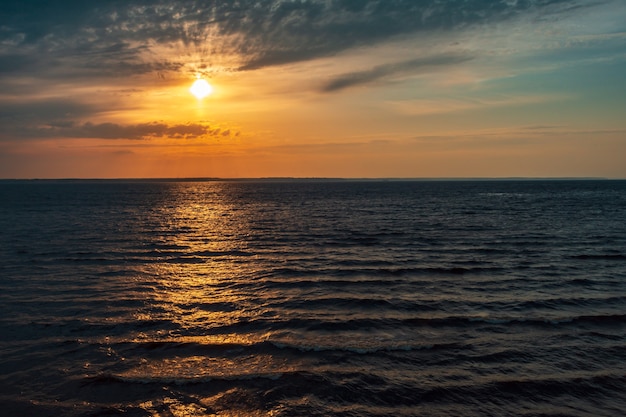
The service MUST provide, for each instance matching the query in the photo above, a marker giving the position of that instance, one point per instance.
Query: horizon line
(290, 178)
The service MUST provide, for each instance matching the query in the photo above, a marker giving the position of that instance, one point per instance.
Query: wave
(606, 257)
(110, 378)
(368, 323)
(390, 346)
(378, 271)
(610, 319)
(328, 388)
(353, 304)
(362, 303)
(276, 346)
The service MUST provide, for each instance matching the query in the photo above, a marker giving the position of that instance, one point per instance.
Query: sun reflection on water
(203, 299)
(197, 318)
(199, 249)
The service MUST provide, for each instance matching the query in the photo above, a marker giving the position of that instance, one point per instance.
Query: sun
(201, 88)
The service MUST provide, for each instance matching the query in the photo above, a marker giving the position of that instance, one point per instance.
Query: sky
(313, 88)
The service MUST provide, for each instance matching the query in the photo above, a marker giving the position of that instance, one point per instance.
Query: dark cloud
(112, 35)
(141, 131)
(62, 118)
(119, 131)
(34, 112)
(384, 71)
(282, 32)
(14, 63)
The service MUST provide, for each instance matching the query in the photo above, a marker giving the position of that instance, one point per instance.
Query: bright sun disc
(201, 88)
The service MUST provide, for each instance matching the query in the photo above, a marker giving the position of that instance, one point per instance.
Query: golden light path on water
(198, 289)
(211, 284)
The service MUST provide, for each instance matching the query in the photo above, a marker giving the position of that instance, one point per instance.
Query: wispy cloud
(380, 72)
(422, 107)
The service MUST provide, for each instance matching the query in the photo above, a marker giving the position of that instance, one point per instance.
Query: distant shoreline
(310, 179)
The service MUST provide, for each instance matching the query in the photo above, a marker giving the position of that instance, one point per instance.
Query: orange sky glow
(538, 92)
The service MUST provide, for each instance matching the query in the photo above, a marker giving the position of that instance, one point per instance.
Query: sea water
(313, 298)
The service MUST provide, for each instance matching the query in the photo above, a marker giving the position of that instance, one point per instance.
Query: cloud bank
(139, 131)
(114, 37)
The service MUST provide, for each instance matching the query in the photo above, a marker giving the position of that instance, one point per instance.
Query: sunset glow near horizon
(313, 88)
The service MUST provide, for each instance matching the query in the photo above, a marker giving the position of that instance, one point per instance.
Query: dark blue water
(305, 298)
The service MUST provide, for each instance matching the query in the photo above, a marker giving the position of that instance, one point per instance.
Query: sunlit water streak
(313, 298)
